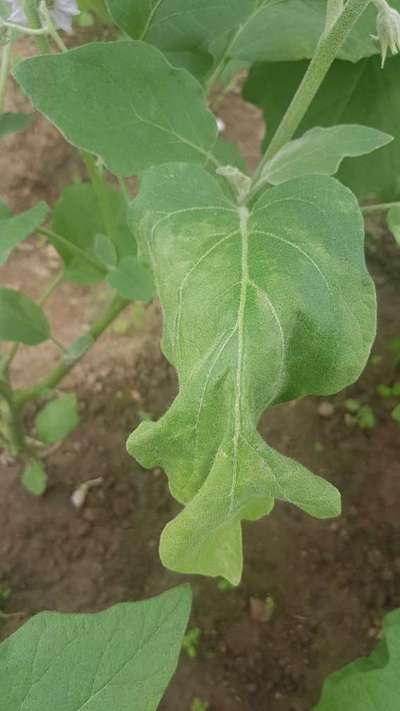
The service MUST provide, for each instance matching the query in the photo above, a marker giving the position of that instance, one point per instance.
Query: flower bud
(388, 29)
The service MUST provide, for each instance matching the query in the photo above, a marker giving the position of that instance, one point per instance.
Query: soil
(328, 583)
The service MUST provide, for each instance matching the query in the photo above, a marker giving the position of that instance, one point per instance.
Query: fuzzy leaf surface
(370, 683)
(21, 320)
(119, 659)
(123, 101)
(181, 29)
(321, 150)
(361, 93)
(245, 30)
(15, 228)
(259, 307)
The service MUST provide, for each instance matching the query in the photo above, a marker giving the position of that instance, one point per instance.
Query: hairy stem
(51, 381)
(31, 11)
(9, 415)
(334, 8)
(324, 56)
(5, 64)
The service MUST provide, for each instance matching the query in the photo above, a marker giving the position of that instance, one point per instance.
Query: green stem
(334, 8)
(124, 190)
(5, 65)
(14, 429)
(51, 26)
(324, 56)
(31, 11)
(382, 207)
(60, 371)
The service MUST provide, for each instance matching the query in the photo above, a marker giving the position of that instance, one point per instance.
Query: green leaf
(132, 280)
(227, 153)
(396, 414)
(359, 93)
(393, 219)
(366, 418)
(259, 308)
(15, 228)
(123, 101)
(34, 479)
(77, 218)
(321, 150)
(118, 660)
(244, 30)
(370, 683)
(181, 29)
(14, 123)
(21, 320)
(105, 251)
(57, 419)
(279, 31)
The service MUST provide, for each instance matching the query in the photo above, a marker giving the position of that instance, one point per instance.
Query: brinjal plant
(261, 278)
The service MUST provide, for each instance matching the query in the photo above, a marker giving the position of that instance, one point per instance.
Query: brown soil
(331, 582)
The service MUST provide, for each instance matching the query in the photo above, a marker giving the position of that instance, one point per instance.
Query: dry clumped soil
(313, 593)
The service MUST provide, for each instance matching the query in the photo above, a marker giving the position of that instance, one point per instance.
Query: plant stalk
(30, 8)
(325, 54)
(5, 65)
(382, 207)
(334, 8)
(14, 431)
(51, 381)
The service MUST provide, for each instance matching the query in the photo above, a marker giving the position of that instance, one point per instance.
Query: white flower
(61, 12)
(388, 29)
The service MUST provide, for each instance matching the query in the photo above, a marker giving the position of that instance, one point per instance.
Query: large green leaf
(21, 320)
(282, 30)
(118, 660)
(370, 683)
(123, 101)
(259, 308)
(182, 29)
(15, 228)
(248, 30)
(77, 218)
(359, 93)
(321, 150)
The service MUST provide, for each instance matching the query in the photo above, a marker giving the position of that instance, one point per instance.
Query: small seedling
(199, 705)
(191, 640)
(366, 417)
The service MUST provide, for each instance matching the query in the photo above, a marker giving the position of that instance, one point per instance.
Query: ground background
(331, 582)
